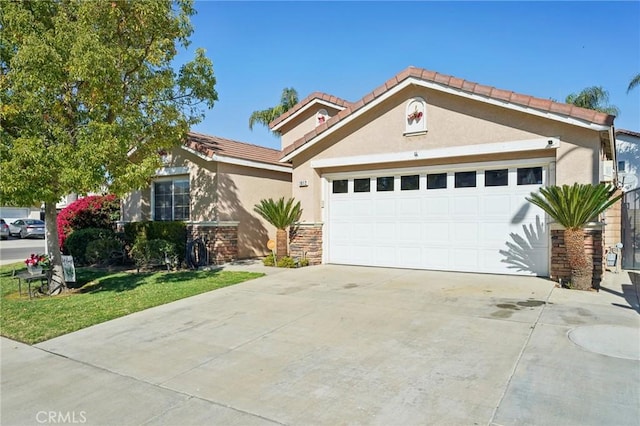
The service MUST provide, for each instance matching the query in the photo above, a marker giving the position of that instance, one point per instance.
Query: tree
(288, 99)
(594, 97)
(635, 82)
(573, 207)
(88, 97)
(281, 215)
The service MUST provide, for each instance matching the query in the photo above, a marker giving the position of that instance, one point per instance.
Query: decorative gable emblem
(416, 120)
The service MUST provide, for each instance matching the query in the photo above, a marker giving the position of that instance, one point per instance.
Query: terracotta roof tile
(315, 95)
(214, 145)
(543, 105)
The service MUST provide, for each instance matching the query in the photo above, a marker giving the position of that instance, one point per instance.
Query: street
(17, 250)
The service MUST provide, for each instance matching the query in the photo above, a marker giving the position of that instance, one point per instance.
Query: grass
(99, 296)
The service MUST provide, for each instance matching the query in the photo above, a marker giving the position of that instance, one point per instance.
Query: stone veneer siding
(221, 240)
(305, 240)
(560, 269)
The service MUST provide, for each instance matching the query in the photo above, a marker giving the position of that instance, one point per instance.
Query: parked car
(4, 230)
(25, 228)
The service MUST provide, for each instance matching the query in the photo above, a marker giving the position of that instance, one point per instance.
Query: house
(628, 155)
(213, 183)
(431, 171)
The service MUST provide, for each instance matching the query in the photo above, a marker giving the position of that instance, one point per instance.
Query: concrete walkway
(330, 345)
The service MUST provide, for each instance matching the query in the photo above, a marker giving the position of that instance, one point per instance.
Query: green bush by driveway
(101, 296)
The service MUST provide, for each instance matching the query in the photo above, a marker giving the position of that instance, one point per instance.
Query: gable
(503, 99)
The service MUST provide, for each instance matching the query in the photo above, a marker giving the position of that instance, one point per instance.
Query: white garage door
(473, 219)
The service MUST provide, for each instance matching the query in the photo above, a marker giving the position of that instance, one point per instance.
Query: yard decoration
(282, 215)
(573, 207)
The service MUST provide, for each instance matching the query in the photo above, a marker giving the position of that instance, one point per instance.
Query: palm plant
(280, 214)
(595, 97)
(573, 207)
(288, 99)
(635, 82)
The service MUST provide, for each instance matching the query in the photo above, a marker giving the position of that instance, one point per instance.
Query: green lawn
(99, 296)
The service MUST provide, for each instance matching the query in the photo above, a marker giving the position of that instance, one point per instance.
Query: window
(409, 183)
(171, 200)
(496, 177)
(437, 181)
(362, 185)
(384, 184)
(530, 176)
(340, 186)
(622, 166)
(465, 179)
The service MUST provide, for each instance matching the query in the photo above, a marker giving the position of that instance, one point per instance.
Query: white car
(25, 228)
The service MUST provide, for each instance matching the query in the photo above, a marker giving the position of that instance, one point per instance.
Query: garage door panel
(466, 205)
(385, 207)
(466, 233)
(436, 205)
(495, 205)
(481, 229)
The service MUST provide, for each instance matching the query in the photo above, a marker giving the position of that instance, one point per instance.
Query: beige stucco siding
(239, 190)
(452, 121)
(221, 192)
(303, 124)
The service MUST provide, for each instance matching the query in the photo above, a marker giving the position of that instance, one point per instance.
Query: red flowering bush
(95, 211)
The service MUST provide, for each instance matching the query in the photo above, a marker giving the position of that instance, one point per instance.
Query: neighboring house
(628, 150)
(213, 184)
(430, 171)
(11, 214)
(628, 153)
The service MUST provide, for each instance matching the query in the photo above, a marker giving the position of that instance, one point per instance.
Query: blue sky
(347, 49)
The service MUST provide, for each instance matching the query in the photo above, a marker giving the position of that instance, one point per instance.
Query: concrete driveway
(330, 345)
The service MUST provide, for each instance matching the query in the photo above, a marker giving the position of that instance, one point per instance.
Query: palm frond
(574, 206)
(635, 82)
(279, 213)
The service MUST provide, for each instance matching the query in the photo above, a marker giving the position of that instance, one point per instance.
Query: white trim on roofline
(239, 161)
(305, 108)
(446, 89)
(172, 171)
(428, 154)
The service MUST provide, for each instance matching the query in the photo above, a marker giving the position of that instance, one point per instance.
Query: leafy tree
(635, 82)
(573, 207)
(288, 99)
(280, 214)
(89, 96)
(595, 97)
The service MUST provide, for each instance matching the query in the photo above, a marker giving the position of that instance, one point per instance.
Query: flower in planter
(38, 260)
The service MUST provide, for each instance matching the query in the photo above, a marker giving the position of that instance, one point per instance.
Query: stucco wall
(221, 192)
(239, 190)
(628, 150)
(451, 121)
(303, 124)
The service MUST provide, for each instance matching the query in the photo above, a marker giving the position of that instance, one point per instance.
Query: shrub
(147, 253)
(269, 260)
(286, 262)
(175, 232)
(76, 243)
(96, 211)
(101, 251)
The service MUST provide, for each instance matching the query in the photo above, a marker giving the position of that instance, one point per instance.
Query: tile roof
(315, 95)
(214, 145)
(627, 132)
(543, 105)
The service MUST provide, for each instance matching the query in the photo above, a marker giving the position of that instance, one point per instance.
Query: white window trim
(176, 178)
